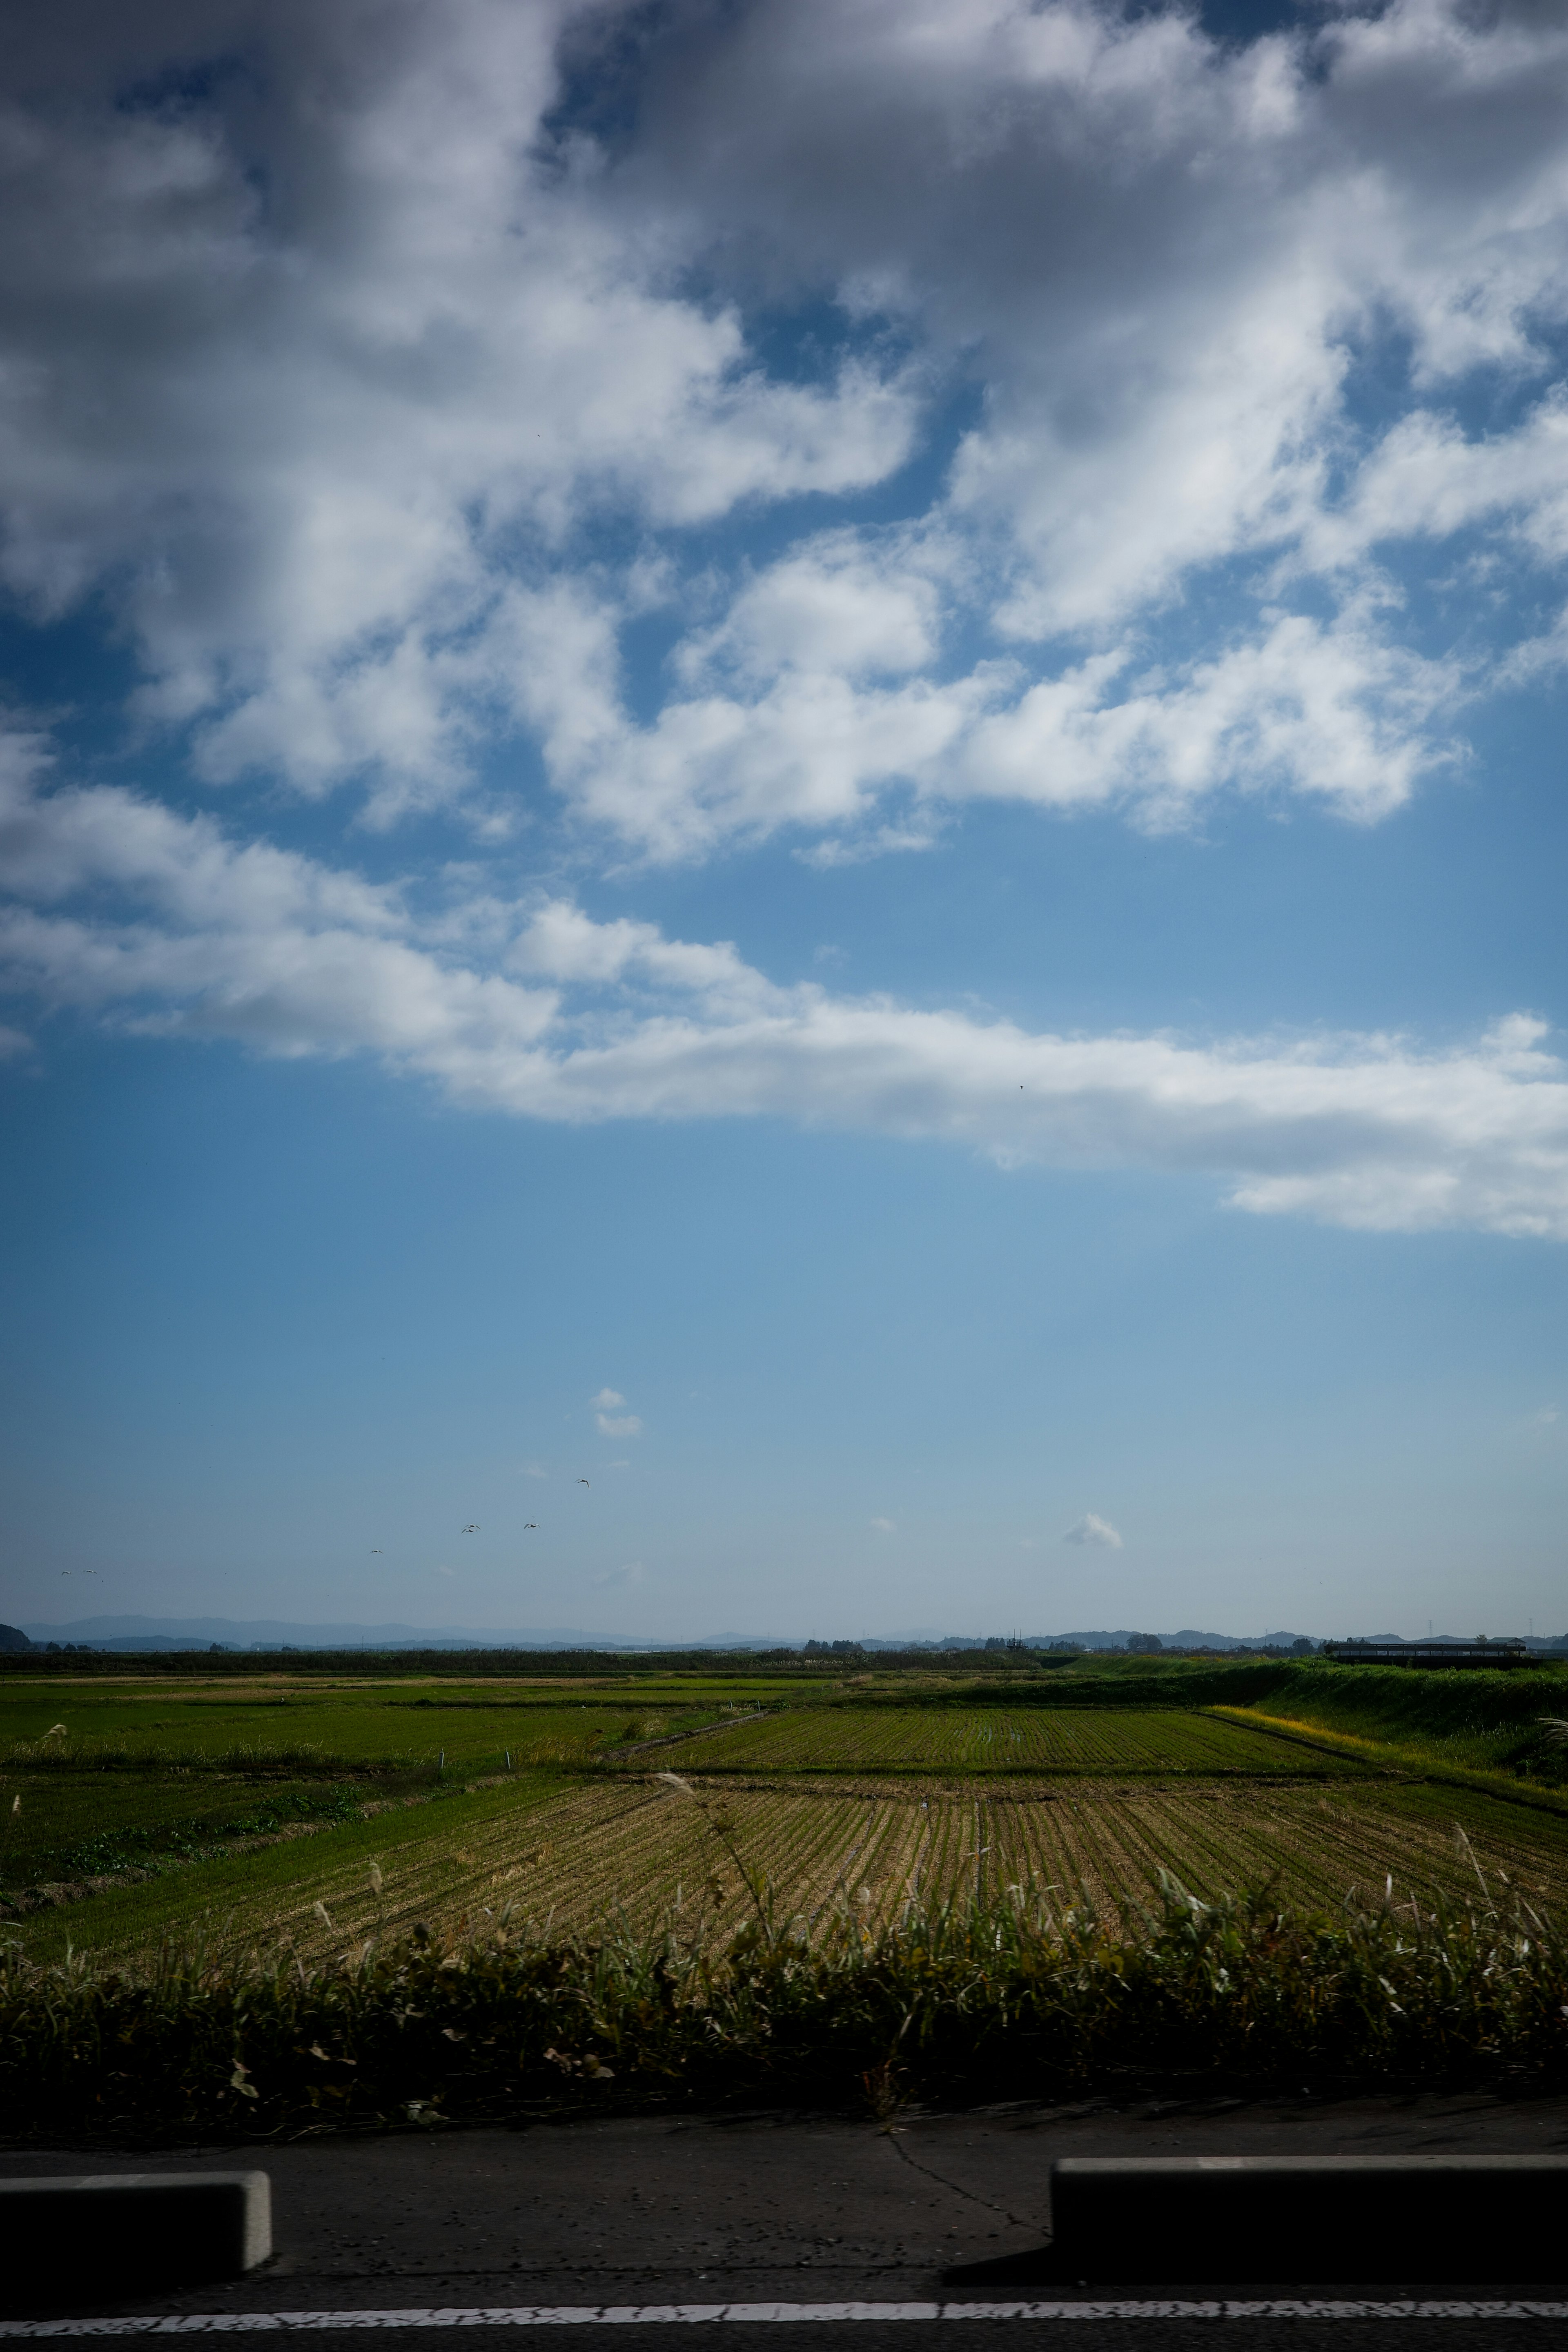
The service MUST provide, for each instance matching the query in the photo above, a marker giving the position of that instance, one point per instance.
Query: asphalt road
(694, 2214)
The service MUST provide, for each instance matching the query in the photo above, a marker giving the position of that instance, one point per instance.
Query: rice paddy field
(1034, 1740)
(289, 1815)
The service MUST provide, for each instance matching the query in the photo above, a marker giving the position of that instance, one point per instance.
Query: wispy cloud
(1092, 1529)
(886, 1527)
(157, 922)
(619, 1580)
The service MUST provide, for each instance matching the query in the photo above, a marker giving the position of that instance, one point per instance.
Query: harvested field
(234, 1816)
(646, 1851)
(1034, 1740)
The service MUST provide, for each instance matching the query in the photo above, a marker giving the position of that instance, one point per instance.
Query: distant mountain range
(264, 1632)
(272, 1632)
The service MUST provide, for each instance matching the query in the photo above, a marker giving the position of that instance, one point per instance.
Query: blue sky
(804, 759)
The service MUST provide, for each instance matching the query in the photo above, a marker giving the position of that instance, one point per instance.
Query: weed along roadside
(973, 2001)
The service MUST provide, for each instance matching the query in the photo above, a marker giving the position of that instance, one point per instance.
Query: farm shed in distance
(1479, 1653)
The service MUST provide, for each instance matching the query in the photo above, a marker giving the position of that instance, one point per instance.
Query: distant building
(1481, 1652)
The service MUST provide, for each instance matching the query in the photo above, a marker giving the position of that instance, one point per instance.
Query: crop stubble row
(636, 1850)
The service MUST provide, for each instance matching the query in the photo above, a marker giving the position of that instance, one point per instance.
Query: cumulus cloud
(1333, 711)
(611, 1423)
(340, 344)
(1092, 1529)
(128, 914)
(886, 1527)
(345, 403)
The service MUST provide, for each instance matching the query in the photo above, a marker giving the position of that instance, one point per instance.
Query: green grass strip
(1402, 1756)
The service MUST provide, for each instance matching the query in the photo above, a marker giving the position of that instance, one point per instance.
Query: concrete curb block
(1250, 2218)
(112, 2234)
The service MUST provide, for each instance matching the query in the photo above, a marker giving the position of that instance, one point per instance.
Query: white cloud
(1427, 479)
(620, 1580)
(613, 1424)
(1165, 393)
(155, 922)
(833, 605)
(346, 404)
(444, 1570)
(1331, 711)
(326, 374)
(1092, 1529)
(886, 1527)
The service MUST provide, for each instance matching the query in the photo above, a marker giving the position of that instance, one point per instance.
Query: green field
(352, 1728)
(318, 1814)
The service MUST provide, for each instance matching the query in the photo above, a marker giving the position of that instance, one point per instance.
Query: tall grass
(1013, 1997)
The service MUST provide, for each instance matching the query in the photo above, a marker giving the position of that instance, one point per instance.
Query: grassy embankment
(1482, 1720)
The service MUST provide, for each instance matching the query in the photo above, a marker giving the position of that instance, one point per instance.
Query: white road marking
(685, 2315)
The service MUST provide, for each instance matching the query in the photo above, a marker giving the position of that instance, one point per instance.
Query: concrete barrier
(1348, 2220)
(111, 2235)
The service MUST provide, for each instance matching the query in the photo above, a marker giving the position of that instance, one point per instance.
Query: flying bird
(376, 1552)
(531, 1522)
(471, 1530)
(582, 1482)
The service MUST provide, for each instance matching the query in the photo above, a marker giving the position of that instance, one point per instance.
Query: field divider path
(703, 1730)
(1079, 1775)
